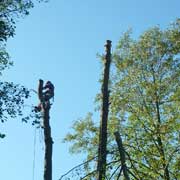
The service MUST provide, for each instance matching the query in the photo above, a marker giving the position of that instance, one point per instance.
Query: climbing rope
(34, 154)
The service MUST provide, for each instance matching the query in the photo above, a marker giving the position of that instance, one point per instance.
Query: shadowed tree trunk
(122, 155)
(101, 167)
(48, 144)
(45, 105)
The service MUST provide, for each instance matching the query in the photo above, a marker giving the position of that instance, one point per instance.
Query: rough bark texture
(122, 155)
(101, 167)
(48, 143)
(40, 90)
(47, 133)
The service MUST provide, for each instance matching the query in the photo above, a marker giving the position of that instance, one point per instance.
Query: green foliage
(145, 105)
(84, 136)
(12, 95)
(146, 95)
(10, 11)
(12, 98)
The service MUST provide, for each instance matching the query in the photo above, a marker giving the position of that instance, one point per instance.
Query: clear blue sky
(58, 41)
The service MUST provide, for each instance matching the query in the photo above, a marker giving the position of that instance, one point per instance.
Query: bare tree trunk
(48, 143)
(101, 167)
(45, 108)
(122, 155)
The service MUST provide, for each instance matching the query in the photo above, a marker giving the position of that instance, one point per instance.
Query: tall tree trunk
(101, 167)
(48, 143)
(45, 108)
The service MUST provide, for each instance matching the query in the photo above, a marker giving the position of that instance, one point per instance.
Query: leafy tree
(10, 11)
(11, 95)
(145, 106)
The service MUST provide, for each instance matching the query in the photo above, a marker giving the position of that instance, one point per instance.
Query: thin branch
(132, 174)
(120, 173)
(78, 166)
(171, 156)
(88, 174)
(115, 171)
(147, 167)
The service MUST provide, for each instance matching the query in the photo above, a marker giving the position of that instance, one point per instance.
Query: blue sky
(59, 41)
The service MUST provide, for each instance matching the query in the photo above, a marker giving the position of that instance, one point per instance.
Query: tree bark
(122, 155)
(101, 167)
(48, 143)
(45, 105)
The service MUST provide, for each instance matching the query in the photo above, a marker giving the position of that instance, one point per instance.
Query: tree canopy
(145, 107)
(11, 95)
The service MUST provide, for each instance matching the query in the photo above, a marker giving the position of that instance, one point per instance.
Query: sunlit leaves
(12, 95)
(84, 136)
(145, 105)
(147, 83)
(11, 100)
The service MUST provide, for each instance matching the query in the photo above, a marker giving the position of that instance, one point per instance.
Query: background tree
(11, 95)
(144, 106)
